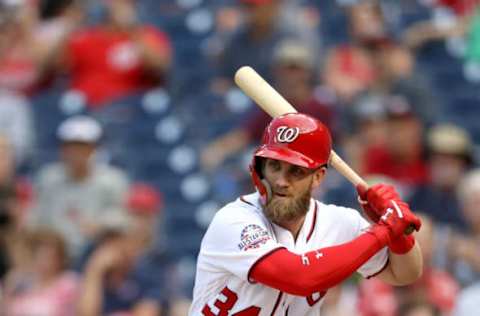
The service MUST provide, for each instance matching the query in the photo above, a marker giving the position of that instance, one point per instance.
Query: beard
(279, 210)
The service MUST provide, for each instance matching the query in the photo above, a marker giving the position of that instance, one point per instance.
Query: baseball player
(278, 251)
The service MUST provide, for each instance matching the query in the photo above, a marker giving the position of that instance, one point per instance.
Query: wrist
(401, 245)
(381, 232)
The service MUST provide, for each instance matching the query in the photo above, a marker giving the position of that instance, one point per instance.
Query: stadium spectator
(450, 19)
(17, 256)
(78, 195)
(16, 125)
(450, 154)
(46, 287)
(347, 72)
(117, 57)
(402, 156)
(7, 161)
(8, 222)
(293, 70)
(18, 187)
(56, 20)
(468, 303)
(254, 43)
(463, 246)
(19, 63)
(418, 308)
(398, 75)
(366, 24)
(436, 287)
(126, 260)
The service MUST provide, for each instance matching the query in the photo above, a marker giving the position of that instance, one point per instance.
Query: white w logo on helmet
(287, 134)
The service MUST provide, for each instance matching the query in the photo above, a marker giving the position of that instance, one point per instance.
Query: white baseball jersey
(240, 235)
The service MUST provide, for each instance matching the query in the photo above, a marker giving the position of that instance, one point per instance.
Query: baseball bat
(275, 105)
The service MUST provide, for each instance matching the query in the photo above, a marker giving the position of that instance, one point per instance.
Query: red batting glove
(376, 201)
(402, 244)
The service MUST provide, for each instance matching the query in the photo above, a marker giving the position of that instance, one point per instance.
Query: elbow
(414, 276)
(409, 278)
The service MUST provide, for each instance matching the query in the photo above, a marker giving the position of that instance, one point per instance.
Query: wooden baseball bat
(275, 105)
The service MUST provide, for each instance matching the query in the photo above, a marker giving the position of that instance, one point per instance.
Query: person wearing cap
(254, 42)
(129, 258)
(78, 195)
(450, 155)
(463, 246)
(401, 157)
(293, 68)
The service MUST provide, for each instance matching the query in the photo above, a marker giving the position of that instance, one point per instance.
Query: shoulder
(339, 216)
(50, 173)
(236, 217)
(243, 209)
(111, 173)
(336, 211)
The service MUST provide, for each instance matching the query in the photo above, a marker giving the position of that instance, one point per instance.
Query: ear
(318, 176)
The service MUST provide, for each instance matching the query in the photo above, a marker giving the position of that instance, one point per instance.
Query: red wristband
(402, 244)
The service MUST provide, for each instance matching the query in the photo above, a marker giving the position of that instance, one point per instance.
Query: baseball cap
(293, 52)
(398, 107)
(143, 199)
(370, 108)
(80, 128)
(449, 139)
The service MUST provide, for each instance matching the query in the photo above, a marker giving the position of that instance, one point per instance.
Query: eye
(273, 165)
(298, 172)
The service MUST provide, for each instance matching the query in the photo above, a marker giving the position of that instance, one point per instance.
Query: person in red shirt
(117, 57)
(402, 156)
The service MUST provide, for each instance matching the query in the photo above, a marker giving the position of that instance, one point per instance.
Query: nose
(282, 179)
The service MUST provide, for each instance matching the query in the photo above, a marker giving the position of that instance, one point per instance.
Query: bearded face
(284, 209)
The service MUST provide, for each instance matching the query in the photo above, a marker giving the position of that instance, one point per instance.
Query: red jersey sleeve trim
(242, 198)
(249, 279)
(381, 270)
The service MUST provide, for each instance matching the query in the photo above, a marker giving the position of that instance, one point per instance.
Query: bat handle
(342, 167)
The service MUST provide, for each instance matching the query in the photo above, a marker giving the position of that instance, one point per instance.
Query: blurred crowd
(107, 187)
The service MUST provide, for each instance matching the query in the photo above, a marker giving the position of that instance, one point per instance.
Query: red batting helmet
(295, 138)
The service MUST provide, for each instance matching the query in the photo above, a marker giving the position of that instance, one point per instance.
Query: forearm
(91, 298)
(317, 270)
(403, 269)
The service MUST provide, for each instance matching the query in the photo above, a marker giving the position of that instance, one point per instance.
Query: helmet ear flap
(268, 190)
(262, 186)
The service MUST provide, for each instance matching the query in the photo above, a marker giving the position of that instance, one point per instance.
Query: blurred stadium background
(398, 82)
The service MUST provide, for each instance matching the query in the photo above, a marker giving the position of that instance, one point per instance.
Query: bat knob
(409, 230)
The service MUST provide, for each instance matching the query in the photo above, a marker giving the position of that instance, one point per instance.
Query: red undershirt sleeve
(320, 269)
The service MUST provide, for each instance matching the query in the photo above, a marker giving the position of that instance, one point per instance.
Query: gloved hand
(374, 199)
(383, 205)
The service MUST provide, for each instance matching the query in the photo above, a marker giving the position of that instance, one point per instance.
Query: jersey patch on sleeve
(252, 237)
